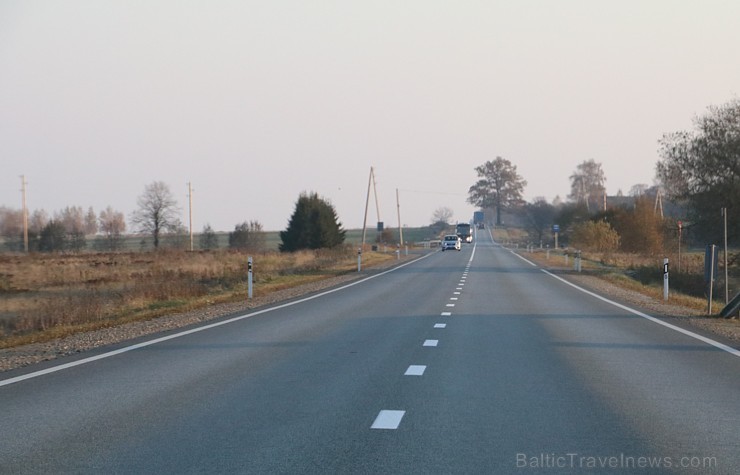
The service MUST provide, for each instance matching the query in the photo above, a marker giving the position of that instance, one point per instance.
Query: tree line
(313, 225)
(698, 175)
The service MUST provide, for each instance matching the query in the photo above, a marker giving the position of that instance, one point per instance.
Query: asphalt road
(459, 362)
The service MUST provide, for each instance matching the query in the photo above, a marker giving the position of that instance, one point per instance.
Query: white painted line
(453, 298)
(456, 293)
(446, 314)
(431, 342)
(688, 333)
(440, 325)
(388, 420)
(450, 305)
(459, 288)
(144, 344)
(415, 370)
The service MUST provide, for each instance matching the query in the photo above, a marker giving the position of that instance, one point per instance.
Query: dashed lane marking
(415, 370)
(388, 419)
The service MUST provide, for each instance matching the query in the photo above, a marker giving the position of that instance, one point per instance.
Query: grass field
(48, 295)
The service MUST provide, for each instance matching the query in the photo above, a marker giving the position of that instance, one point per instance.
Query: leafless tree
(587, 184)
(72, 218)
(37, 221)
(442, 215)
(112, 225)
(11, 222)
(91, 222)
(158, 211)
(639, 189)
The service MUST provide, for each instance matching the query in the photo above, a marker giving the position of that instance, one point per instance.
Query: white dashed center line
(446, 314)
(440, 325)
(415, 370)
(388, 420)
(431, 342)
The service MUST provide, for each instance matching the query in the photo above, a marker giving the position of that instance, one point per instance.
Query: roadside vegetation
(50, 295)
(640, 272)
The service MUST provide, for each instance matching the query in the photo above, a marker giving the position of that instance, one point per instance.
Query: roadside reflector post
(249, 277)
(665, 278)
(359, 259)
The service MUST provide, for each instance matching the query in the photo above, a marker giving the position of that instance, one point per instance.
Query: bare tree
(91, 222)
(442, 215)
(112, 225)
(639, 190)
(587, 184)
(158, 211)
(247, 236)
(72, 218)
(11, 222)
(38, 220)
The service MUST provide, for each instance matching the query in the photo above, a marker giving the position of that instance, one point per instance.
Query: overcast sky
(256, 101)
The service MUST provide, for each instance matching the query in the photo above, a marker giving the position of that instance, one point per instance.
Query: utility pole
(25, 213)
(370, 181)
(190, 212)
(367, 202)
(727, 288)
(400, 229)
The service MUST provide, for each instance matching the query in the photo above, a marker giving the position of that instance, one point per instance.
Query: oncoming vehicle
(451, 241)
(463, 232)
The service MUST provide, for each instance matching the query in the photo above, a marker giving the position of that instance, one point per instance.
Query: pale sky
(256, 101)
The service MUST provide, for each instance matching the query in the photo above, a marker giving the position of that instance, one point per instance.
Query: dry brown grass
(641, 274)
(44, 296)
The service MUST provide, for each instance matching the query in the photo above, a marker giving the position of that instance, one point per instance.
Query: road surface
(459, 362)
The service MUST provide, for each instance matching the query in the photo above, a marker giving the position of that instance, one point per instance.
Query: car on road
(451, 241)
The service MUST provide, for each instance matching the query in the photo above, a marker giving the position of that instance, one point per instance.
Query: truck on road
(463, 231)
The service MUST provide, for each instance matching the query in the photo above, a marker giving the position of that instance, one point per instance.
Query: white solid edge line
(688, 333)
(388, 419)
(144, 344)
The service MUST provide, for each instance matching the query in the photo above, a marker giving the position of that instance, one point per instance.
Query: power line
(432, 192)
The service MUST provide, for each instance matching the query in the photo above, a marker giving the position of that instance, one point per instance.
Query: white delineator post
(665, 278)
(249, 277)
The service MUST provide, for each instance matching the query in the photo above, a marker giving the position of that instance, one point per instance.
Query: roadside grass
(640, 273)
(637, 273)
(48, 296)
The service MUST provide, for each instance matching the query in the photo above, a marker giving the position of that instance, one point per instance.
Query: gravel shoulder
(12, 358)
